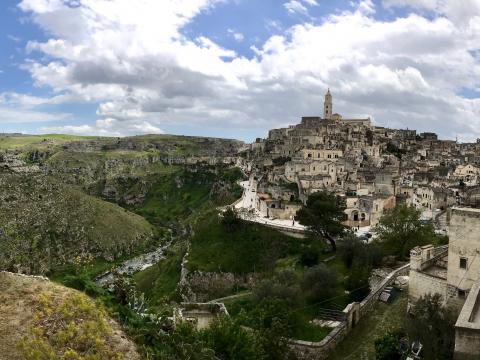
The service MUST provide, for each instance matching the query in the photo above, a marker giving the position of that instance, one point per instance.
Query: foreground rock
(40, 320)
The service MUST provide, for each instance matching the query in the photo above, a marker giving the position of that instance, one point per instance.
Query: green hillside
(45, 224)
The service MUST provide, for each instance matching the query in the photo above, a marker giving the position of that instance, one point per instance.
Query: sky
(237, 68)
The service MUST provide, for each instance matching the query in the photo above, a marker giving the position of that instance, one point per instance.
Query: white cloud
(14, 38)
(311, 2)
(295, 7)
(459, 11)
(135, 62)
(236, 35)
(106, 127)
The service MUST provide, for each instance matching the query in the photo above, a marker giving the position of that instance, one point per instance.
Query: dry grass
(19, 300)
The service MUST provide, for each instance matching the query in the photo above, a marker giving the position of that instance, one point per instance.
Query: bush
(231, 341)
(319, 282)
(283, 286)
(83, 282)
(230, 220)
(309, 257)
(388, 346)
(72, 329)
(434, 326)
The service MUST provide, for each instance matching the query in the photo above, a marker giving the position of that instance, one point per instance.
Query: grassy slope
(20, 299)
(252, 248)
(38, 141)
(182, 195)
(360, 342)
(159, 282)
(48, 224)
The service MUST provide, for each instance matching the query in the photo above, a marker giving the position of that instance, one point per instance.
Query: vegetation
(387, 347)
(319, 283)
(251, 248)
(231, 220)
(186, 193)
(281, 160)
(44, 224)
(395, 150)
(159, 282)
(47, 321)
(322, 215)
(384, 318)
(73, 329)
(434, 326)
(401, 230)
(360, 258)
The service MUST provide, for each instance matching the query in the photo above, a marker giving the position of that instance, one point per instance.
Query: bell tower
(327, 106)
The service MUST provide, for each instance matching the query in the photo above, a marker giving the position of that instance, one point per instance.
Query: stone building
(453, 271)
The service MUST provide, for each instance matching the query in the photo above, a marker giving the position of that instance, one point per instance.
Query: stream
(138, 263)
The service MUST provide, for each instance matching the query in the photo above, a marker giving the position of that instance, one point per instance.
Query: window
(463, 263)
(461, 293)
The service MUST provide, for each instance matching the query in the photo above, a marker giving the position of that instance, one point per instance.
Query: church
(329, 116)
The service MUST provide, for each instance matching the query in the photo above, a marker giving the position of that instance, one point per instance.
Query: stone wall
(421, 284)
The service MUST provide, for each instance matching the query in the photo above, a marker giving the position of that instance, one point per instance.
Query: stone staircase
(441, 222)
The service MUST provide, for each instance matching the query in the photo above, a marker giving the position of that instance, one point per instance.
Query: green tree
(319, 282)
(282, 286)
(401, 230)
(388, 346)
(230, 220)
(270, 319)
(323, 215)
(434, 326)
(231, 341)
(360, 258)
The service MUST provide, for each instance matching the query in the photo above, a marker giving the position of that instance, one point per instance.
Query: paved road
(247, 210)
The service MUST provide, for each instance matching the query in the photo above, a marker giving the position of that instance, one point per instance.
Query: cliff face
(52, 192)
(121, 169)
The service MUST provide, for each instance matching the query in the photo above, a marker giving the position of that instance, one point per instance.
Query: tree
(319, 282)
(388, 346)
(231, 220)
(401, 230)
(270, 319)
(282, 286)
(309, 257)
(360, 258)
(434, 326)
(323, 215)
(230, 340)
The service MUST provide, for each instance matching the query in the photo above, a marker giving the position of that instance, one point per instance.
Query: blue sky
(236, 68)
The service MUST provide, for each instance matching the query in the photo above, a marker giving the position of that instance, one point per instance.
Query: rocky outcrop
(199, 286)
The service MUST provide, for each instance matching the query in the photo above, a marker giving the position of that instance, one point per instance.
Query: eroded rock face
(206, 286)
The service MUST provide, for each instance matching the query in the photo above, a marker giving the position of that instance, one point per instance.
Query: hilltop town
(373, 167)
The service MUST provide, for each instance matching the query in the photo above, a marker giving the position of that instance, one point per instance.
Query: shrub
(74, 329)
(388, 346)
(309, 257)
(319, 282)
(283, 286)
